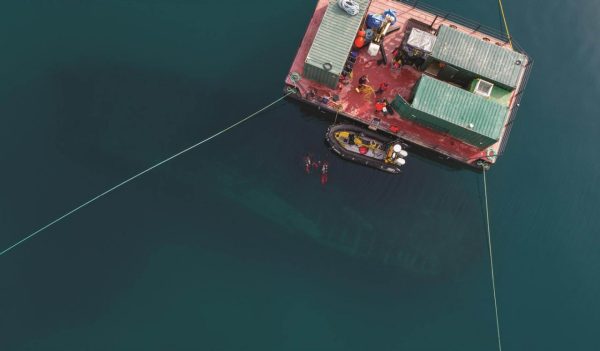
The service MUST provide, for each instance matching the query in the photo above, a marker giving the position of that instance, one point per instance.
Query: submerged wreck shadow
(424, 247)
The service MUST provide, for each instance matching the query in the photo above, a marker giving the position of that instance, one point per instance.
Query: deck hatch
(421, 40)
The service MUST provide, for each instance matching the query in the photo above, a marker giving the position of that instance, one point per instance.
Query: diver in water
(307, 163)
(324, 171)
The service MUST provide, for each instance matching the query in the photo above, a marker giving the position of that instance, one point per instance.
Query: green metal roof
(482, 58)
(335, 37)
(459, 107)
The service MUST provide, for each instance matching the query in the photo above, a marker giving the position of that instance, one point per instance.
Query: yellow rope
(505, 23)
(367, 91)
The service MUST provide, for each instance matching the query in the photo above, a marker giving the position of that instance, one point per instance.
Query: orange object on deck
(359, 42)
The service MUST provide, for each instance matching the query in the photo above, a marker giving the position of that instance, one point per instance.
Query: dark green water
(233, 247)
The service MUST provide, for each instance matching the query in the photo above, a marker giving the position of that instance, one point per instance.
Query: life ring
(327, 66)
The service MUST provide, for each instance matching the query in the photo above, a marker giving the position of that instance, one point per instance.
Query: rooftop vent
(483, 88)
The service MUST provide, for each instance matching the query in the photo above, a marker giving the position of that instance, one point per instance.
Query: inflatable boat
(363, 146)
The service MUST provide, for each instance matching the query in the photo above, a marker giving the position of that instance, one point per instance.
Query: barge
(451, 85)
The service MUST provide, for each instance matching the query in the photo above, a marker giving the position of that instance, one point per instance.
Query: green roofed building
(451, 110)
(332, 44)
(476, 58)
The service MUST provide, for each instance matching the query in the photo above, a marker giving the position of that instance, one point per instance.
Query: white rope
(137, 176)
(489, 233)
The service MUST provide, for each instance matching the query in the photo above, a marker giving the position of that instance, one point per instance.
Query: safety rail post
(515, 108)
(433, 22)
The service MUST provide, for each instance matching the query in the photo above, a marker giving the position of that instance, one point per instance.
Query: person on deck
(397, 58)
(379, 106)
(345, 79)
(362, 83)
(388, 107)
(382, 88)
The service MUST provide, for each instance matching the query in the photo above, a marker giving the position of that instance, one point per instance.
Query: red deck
(361, 107)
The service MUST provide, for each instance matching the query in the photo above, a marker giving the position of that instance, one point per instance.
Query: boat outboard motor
(398, 154)
(398, 151)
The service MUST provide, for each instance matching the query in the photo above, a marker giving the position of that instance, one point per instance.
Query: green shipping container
(332, 44)
(485, 59)
(451, 110)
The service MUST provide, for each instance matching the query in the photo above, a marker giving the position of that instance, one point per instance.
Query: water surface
(232, 246)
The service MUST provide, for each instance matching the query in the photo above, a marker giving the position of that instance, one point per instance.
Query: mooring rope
(489, 233)
(505, 23)
(106, 192)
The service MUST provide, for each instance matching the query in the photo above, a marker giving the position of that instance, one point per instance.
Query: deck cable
(489, 234)
(505, 23)
(106, 192)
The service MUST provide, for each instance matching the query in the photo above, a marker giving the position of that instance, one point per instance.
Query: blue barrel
(374, 21)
